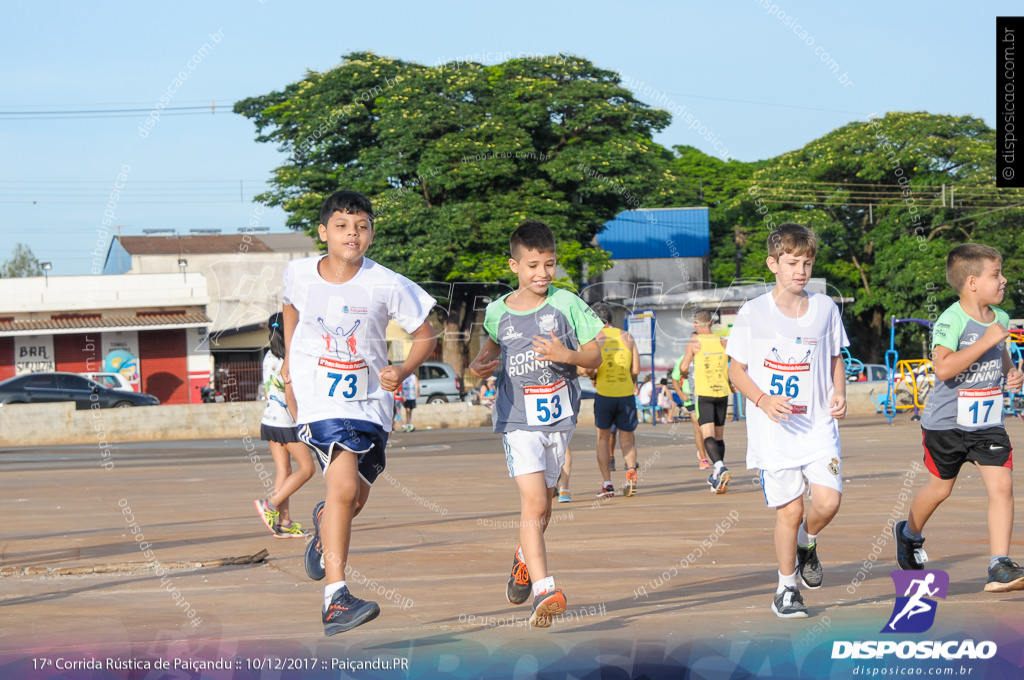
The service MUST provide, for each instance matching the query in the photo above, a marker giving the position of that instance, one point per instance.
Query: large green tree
(455, 157)
(888, 199)
(22, 263)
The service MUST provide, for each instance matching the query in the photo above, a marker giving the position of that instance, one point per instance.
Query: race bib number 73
(342, 380)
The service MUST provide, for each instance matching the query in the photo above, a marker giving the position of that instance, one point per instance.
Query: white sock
(804, 539)
(330, 589)
(543, 585)
(608, 482)
(718, 468)
(785, 581)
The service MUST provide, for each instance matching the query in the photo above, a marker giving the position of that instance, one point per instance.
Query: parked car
(874, 373)
(438, 383)
(115, 381)
(40, 388)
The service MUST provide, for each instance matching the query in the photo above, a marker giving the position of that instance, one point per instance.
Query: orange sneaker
(630, 489)
(546, 606)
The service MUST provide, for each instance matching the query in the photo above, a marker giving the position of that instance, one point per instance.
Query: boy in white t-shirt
(339, 385)
(786, 360)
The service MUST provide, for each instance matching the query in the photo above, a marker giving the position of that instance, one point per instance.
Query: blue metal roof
(659, 233)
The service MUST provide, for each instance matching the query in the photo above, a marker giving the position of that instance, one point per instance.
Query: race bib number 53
(344, 380)
(546, 404)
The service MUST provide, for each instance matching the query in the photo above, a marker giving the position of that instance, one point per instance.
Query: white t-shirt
(339, 345)
(793, 358)
(645, 393)
(410, 388)
(276, 414)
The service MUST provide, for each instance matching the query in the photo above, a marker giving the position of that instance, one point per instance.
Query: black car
(40, 388)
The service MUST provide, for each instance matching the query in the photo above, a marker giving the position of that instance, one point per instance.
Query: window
(42, 381)
(76, 382)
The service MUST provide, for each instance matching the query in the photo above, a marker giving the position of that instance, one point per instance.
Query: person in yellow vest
(615, 403)
(712, 389)
(684, 389)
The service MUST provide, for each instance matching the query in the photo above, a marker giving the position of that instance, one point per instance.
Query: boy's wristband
(756, 403)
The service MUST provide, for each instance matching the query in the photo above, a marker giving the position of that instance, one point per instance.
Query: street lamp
(46, 267)
(183, 263)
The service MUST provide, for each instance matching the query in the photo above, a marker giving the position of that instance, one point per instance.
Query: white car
(114, 381)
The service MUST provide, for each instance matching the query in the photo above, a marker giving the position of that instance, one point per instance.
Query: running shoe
(607, 491)
(909, 553)
(268, 516)
(704, 463)
(722, 481)
(546, 606)
(789, 604)
(293, 530)
(314, 550)
(519, 584)
(1005, 576)
(808, 566)
(347, 611)
(564, 496)
(630, 488)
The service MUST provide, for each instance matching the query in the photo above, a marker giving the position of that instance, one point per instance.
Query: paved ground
(674, 577)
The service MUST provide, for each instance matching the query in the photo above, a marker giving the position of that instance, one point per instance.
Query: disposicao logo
(914, 612)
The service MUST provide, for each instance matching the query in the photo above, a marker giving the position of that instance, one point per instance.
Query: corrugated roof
(106, 323)
(189, 245)
(659, 233)
(291, 243)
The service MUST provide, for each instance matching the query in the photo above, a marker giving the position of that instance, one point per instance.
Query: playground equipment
(851, 366)
(913, 376)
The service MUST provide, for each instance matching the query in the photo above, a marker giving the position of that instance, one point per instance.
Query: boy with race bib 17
(963, 419)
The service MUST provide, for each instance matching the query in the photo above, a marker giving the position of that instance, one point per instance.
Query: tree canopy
(22, 263)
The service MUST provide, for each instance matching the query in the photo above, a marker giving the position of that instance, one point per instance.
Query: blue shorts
(367, 440)
(617, 411)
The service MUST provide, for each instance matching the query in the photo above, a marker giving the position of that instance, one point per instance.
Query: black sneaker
(607, 491)
(519, 583)
(1004, 577)
(789, 604)
(347, 611)
(808, 566)
(909, 553)
(546, 606)
(314, 550)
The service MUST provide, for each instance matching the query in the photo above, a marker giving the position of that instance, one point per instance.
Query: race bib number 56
(344, 380)
(546, 404)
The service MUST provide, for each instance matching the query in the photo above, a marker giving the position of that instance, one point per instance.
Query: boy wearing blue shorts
(541, 334)
(786, 349)
(339, 384)
(963, 419)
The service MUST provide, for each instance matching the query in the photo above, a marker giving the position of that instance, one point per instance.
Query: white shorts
(782, 486)
(527, 451)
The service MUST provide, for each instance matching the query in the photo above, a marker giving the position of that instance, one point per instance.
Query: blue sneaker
(314, 550)
(347, 611)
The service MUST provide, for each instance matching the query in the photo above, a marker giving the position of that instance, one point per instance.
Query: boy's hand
(483, 369)
(838, 405)
(1015, 378)
(390, 378)
(995, 334)
(777, 407)
(550, 350)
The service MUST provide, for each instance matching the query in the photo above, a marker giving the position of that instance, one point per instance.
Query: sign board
(641, 326)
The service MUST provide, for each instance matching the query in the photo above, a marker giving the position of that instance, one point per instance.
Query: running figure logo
(914, 612)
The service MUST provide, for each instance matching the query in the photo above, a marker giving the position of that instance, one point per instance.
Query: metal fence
(239, 380)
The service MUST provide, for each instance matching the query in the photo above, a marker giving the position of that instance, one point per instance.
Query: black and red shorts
(945, 451)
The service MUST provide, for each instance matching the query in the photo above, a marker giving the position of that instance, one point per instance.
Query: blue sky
(739, 67)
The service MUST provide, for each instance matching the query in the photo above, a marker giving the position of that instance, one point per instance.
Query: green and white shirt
(531, 394)
(973, 399)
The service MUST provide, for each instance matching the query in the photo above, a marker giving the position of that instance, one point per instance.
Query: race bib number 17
(343, 380)
(979, 408)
